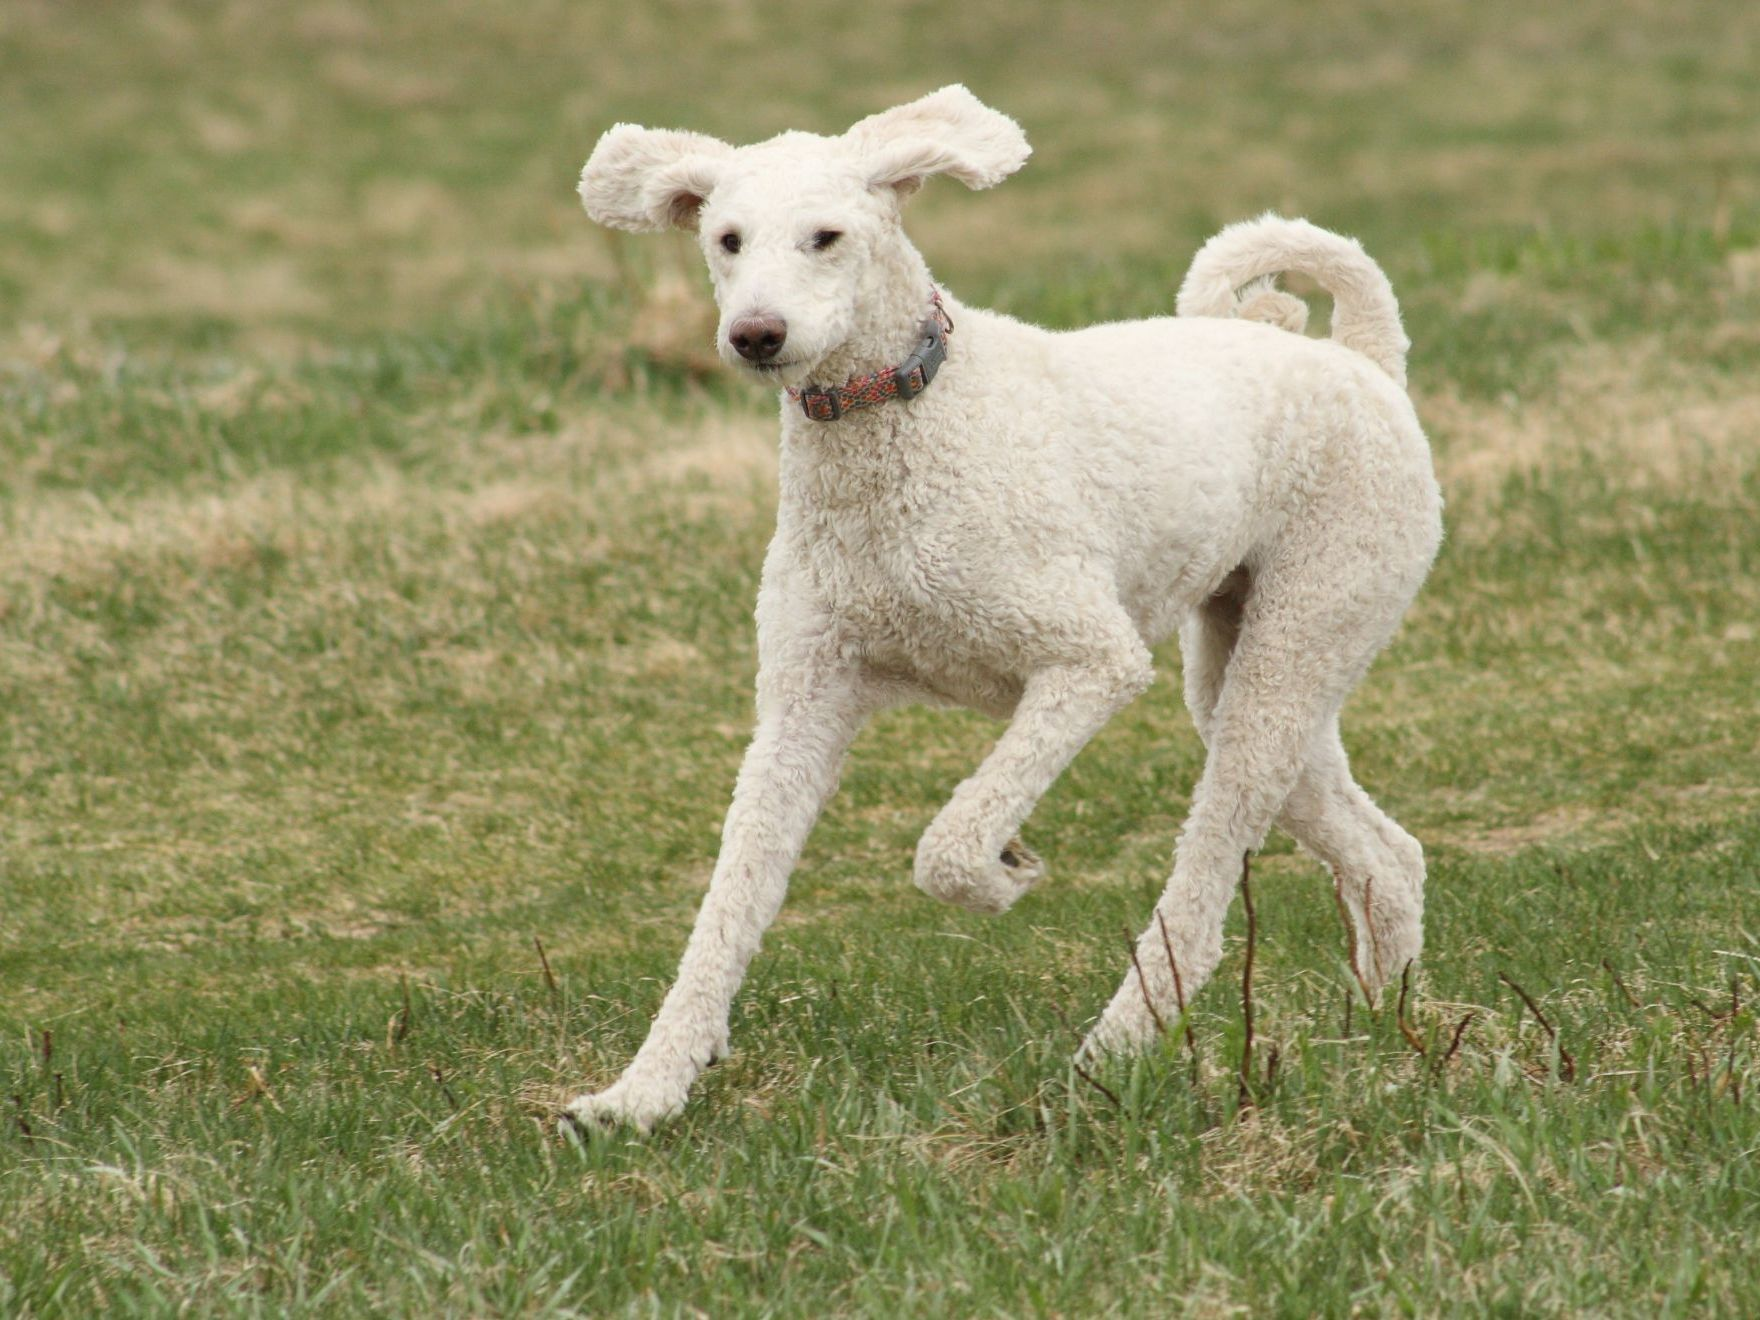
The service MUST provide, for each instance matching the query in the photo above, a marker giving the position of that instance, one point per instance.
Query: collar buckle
(915, 372)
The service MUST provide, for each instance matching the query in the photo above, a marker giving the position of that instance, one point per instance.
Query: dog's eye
(730, 242)
(825, 238)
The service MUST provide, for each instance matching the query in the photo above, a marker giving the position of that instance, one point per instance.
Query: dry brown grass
(1660, 422)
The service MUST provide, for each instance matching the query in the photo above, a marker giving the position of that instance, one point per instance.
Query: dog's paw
(617, 1108)
(988, 884)
(1121, 1030)
(1025, 866)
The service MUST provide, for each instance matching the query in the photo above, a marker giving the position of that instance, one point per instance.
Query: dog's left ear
(946, 132)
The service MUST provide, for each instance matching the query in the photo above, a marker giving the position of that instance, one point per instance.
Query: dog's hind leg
(1378, 867)
(1206, 644)
(1319, 607)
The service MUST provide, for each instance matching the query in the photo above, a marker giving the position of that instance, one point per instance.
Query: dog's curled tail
(1234, 275)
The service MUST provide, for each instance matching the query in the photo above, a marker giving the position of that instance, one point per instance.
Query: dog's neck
(889, 315)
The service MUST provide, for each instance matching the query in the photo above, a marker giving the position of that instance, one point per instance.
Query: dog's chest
(875, 573)
(904, 593)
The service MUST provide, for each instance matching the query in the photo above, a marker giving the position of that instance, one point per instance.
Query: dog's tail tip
(1262, 300)
(1235, 275)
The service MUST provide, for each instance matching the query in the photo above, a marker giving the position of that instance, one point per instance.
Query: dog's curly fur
(1018, 536)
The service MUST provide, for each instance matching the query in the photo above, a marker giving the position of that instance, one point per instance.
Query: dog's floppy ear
(648, 179)
(946, 132)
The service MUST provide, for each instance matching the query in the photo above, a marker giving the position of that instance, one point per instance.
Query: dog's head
(795, 230)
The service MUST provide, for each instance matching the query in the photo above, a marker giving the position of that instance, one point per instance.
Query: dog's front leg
(805, 725)
(969, 855)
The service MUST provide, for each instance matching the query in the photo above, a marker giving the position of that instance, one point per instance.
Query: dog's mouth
(775, 373)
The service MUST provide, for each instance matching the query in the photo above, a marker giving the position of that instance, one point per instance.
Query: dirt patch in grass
(1577, 825)
(1662, 422)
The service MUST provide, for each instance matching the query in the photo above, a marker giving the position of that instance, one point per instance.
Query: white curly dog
(977, 511)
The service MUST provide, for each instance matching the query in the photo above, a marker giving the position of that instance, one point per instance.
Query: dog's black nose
(758, 338)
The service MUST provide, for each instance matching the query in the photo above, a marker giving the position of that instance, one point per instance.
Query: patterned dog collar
(905, 381)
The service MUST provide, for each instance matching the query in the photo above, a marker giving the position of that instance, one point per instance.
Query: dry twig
(1630, 998)
(1246, 1078)
(1567, 1066)
(1460, 1030)
(398, 1027)
(1369, 928)
(544, 962)
(1076, 1062)
(1405, 1027)
(1179, 993)
(1350, 940)
(1096, 1083)
(440, 1081)
(1735, 1001)
(1143, 984)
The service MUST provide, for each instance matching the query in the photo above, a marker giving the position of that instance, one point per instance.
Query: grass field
(377, 547)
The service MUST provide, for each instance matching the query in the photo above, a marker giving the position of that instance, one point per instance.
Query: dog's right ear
(648, 179)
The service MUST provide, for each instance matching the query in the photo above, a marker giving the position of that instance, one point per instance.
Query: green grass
(377, 552)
